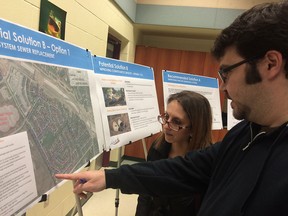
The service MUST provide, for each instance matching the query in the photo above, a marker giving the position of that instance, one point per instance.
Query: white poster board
(128, 101)
(45, 92)
(174, 82)
(17, 179)
(231, 121)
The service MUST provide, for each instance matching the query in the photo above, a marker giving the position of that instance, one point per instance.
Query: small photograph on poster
(52, 20)
(119, 124)
(114, 96)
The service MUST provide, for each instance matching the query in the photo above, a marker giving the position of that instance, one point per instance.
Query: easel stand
(118, 165)
(144, 148)
(78, 203)
(117, 190)
(77, 198)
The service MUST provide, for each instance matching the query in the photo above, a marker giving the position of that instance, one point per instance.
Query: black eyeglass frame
(165, 121)
(223, 72)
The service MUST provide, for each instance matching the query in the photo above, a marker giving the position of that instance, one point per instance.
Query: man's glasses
(163, 119)
(223, 72)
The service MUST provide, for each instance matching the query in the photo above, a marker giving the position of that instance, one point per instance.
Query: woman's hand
(87, 181)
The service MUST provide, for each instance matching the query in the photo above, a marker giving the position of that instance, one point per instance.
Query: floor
(103, 203)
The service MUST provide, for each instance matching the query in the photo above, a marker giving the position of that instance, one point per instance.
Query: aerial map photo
(53, 105)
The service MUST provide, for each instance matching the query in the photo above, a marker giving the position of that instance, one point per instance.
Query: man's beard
(252, 76)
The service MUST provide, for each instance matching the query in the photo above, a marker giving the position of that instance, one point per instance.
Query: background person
(187, 125)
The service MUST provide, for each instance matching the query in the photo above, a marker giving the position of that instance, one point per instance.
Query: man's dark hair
(256, 31)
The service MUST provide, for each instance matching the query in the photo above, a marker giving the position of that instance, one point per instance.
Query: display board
(128, 101)
(45, 93)
(231, 121)
(17, 180)
(174, 82)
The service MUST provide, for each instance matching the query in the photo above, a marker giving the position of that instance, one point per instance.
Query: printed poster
(128, 101)
(174, 82)
(45, 92)
(17, 179)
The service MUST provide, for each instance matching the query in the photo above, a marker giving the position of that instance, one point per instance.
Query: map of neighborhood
(53, 105)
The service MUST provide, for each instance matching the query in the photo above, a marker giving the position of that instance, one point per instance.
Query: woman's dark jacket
(164, 206)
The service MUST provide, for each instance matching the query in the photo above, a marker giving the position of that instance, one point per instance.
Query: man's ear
(273, 63)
